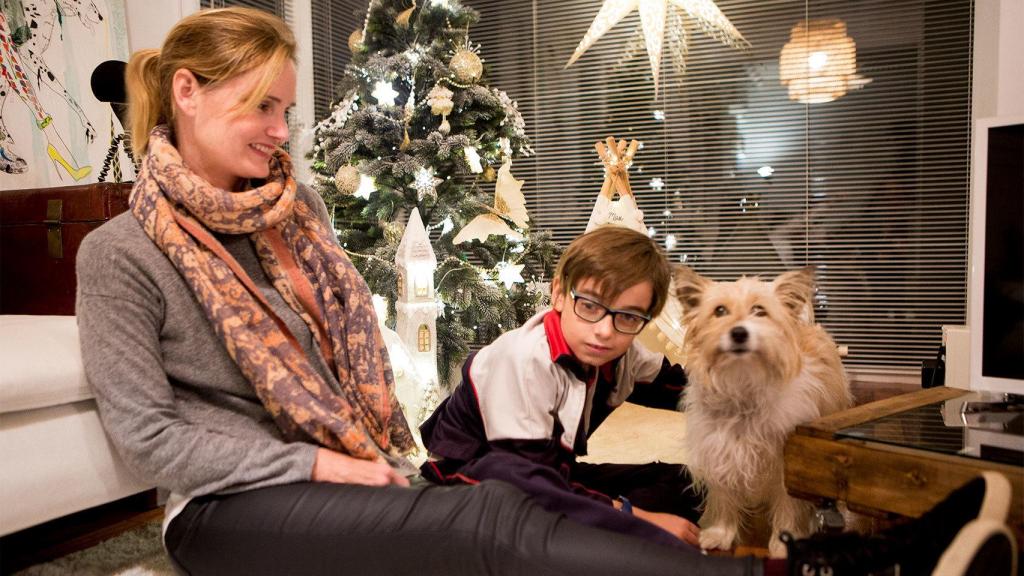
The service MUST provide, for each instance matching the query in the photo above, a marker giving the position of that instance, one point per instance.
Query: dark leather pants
(309, 529)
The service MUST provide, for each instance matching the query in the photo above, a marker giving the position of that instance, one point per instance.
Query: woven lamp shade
(819, 63)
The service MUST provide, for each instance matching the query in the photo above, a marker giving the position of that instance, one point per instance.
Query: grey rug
(138, 552)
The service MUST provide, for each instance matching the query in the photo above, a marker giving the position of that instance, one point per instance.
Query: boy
(529, 400)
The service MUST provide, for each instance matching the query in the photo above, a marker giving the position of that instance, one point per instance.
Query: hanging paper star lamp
(819, 63)
(653, 15)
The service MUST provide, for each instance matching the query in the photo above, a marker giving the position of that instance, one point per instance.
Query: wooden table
(874, 477)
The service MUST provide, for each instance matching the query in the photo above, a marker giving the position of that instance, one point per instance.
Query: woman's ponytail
(145, 104)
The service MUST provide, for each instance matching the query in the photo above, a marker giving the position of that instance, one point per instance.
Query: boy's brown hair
(616, 258)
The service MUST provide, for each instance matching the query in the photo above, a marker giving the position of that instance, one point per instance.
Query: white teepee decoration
(665, 333)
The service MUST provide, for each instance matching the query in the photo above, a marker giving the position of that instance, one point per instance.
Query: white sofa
(55, 457)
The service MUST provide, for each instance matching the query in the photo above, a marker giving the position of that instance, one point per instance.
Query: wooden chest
(40, 231)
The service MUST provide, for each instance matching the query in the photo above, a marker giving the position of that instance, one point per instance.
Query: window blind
(333, 22)
(871, 189)
(279, 7)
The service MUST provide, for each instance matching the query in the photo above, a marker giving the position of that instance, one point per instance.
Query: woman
(236, 360)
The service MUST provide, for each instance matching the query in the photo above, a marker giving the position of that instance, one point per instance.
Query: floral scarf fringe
(178, 209)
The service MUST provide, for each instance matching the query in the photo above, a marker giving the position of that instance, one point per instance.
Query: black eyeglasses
(593, 311)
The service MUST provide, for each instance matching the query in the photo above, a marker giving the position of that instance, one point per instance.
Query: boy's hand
(331, 466)
(675, 525)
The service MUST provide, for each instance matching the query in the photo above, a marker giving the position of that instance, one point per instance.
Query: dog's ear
(796, 290)
(689, 287)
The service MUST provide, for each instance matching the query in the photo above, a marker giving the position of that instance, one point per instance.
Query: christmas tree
(417, 127)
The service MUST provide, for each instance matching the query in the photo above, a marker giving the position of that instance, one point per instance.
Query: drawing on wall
(53, 131)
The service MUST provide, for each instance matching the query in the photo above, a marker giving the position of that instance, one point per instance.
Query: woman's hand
(331, 466)
(675, 525)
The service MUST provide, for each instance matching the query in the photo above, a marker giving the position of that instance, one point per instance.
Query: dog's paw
(717, 537)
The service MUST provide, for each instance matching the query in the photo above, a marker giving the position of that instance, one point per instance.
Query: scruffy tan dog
(758, 366)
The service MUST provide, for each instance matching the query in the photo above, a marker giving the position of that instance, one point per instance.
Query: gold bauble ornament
(466, 66)
(347, 179)
(489, 174)
(393, 232)
(354, 40)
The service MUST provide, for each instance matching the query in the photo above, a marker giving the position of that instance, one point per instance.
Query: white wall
(149, 20)
(998, 85)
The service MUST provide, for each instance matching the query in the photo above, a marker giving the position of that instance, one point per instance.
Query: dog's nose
(739, 334)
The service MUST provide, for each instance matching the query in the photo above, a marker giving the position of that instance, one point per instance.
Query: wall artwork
(53, 131)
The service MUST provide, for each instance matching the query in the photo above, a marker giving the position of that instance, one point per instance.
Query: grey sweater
(173, 402)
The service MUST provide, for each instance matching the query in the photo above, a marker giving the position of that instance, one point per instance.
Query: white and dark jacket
(527, 395)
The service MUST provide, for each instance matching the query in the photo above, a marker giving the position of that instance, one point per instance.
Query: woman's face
(227, 146)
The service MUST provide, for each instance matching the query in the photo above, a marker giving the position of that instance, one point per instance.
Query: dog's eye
(758, 311)
(721, 311)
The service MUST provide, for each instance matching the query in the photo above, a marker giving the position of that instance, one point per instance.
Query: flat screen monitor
(996, 292)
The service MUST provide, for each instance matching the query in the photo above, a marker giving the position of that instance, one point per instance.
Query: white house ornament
(416, 311)
(466, 66)
(347, 179)
(509, 204)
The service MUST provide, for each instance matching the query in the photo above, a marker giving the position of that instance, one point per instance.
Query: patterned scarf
(178, 209)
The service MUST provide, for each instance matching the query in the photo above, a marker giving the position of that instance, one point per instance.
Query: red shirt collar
(556, 340)
(562, 355)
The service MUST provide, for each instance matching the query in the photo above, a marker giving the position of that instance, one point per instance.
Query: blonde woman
(236, 361)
